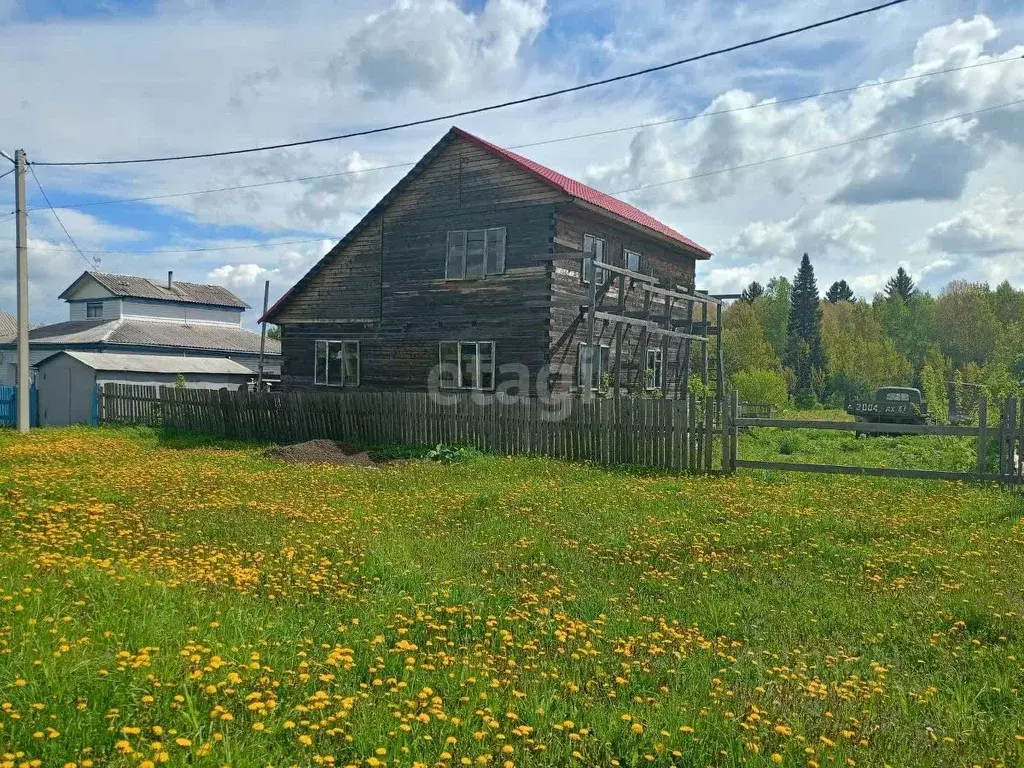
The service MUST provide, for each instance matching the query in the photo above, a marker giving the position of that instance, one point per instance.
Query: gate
(9, 406)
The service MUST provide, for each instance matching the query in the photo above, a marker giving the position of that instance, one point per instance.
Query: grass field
(166, 602)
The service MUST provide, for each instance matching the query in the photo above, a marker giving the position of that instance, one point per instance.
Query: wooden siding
(347, 288)
(387, 288)
(568, 326)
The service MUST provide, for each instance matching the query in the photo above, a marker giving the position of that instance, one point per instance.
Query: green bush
(805, 401)
(450, 454)
(791, 442)
(762, 387)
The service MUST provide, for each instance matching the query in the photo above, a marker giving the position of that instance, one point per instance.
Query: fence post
(726, 449)
(982, 434)
(734, 442)
(1008, 441)
(709, 429)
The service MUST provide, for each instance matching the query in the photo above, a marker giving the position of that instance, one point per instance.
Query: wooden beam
(649, 324)
(719, 362)
(569, 245)
(618, 338)
(862, 426)
(638, 276)
(836, 469)
(707, 297)
(677, 295)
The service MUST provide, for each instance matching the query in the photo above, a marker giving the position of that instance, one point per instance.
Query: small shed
(68, 381)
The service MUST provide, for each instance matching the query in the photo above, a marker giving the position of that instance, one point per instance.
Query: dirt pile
(323, 452)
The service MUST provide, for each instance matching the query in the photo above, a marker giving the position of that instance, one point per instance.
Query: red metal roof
(585, 193)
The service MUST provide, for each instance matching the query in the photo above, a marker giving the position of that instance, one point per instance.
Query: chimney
(170, 280)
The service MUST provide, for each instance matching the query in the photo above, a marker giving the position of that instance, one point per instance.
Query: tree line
(784, 343)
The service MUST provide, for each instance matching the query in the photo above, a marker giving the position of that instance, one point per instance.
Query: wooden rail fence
(1007, 434)
(670, 434)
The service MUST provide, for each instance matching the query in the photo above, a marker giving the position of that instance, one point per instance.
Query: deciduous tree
(966, 323)
(772, 312)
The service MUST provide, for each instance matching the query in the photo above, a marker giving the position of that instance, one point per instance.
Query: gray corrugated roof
(143, 333)
(8, 325)
(130, 286)
(72, 332)
(222, 337)
(112, 361)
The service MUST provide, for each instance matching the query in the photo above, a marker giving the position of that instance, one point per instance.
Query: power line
(198, 250)
(89, 263)
(718, 171)
(820, 149)
(501, 105)
(7, 174)
(573, 137)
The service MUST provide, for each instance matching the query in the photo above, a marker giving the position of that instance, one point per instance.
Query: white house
(136, 315)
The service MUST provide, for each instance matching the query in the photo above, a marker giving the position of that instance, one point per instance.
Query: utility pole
(263, 334)
(21, 238)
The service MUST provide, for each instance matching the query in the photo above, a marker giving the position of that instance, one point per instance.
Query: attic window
(475, 253)
(93, 309)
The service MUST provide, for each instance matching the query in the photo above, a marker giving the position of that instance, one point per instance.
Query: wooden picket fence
(670, 434)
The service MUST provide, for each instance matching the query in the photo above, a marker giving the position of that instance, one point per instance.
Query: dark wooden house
(476, 269)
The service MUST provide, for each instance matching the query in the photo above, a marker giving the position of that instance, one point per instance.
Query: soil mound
(322, 452)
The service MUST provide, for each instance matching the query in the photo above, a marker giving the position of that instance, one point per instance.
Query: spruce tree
(752, 291)
(900, 285)
(840, 291)
(804, 354)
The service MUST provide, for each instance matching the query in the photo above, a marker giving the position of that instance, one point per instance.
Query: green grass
(818, 446)
(522, 611)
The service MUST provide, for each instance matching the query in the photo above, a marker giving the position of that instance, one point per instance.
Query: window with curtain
(337, 363)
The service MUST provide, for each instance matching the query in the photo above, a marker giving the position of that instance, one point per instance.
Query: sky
(104, 79)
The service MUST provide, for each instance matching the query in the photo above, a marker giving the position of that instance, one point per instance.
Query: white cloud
(436, 47)
(991, 226)
(834, 232)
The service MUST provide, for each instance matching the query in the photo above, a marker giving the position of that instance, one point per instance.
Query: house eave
(697, 253)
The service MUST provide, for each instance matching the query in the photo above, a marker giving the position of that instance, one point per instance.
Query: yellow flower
(258, 726)
(777, 758)
(183, 742)
(305, 739)
(636, 728)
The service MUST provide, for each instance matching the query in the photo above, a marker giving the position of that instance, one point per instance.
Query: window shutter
(496, 251)
(351, 363)
(449, 359)
(455, 264)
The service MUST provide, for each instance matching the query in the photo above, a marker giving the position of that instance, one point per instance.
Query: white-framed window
(337, 363)
(593, 247)
(654, 369)
(467, 364)
(474, 254)
(632, 260)
(93, 309)
(597, 365)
